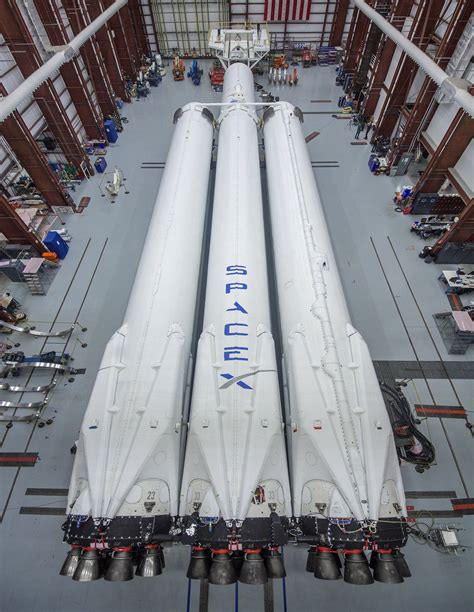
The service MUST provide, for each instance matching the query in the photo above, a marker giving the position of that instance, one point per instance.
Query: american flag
(287, 10)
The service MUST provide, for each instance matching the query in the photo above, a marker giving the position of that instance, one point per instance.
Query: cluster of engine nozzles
(388, 566)
(222, 567)
(116, 565)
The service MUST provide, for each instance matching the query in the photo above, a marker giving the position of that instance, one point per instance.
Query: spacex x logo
(238, 379)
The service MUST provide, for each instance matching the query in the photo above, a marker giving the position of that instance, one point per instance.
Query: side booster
(235, 496)
(347, 489)
(123, 496)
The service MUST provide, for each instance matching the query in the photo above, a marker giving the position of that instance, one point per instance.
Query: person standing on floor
(360, 127)
(370, 126)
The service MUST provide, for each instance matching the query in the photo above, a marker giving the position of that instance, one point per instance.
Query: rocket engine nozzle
(200, 563)
(150, 561)
(120, 565)
(327, 564)
(401, 563)
(274, 565)
(222, 570)
(238, 557)
(356, 568)
(385, 567)
(253, 568)
(71, 561)
(312, 552)
(90, 566)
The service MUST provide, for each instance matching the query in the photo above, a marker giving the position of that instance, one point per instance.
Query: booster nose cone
(274, 563)
(327, 564)
(149, 561)
(200, 563)
(401, 563)
(238, 557)
(71, 561)
(89, 567)
(356, 568)
(385, 567)
(222, 570)
(253, 568)
(312, 552)
(120, 565)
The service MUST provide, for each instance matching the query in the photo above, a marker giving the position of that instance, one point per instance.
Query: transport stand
(15, 368)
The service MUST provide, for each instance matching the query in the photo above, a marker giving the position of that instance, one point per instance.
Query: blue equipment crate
(111, 130)
(55, 243)
(100, 164)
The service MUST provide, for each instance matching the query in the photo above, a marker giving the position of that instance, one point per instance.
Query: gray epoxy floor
(380, 270)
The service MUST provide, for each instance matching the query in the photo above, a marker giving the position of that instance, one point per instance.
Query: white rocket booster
(344, 465)
(124, 486)
(235, 466)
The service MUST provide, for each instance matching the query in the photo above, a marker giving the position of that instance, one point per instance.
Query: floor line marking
(33, 429)
(45, 341)
(430, 494)
(435, 346)
(48, 492)
(42, 511)
(418, 360)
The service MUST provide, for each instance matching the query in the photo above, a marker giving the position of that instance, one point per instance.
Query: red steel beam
(447, 154)
(424, 24)
(384, 57)
(131, 36)
(71, 72)
(323, 31)
(15, 230)
(461, 231)
(138, 23)
(24, 51)
(420, 115)
(124, 41)
(355, 43)
(35, 163)
(339, 21)
(93, 60)
(108, 49)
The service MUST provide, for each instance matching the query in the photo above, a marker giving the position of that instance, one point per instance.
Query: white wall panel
(442, 119)
(416, 86)
(465, 166)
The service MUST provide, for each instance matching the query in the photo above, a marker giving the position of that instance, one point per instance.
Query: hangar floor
(392, 295)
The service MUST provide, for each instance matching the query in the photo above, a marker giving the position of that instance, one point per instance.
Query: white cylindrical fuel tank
(343, 458)
(235, 465)
(127, 460)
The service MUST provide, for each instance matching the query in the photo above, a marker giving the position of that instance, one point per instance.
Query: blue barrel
(111, 130)
(100, 164)
(55, 243)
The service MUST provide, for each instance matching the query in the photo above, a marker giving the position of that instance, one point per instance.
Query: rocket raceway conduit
(23, 91)
(449, 85)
